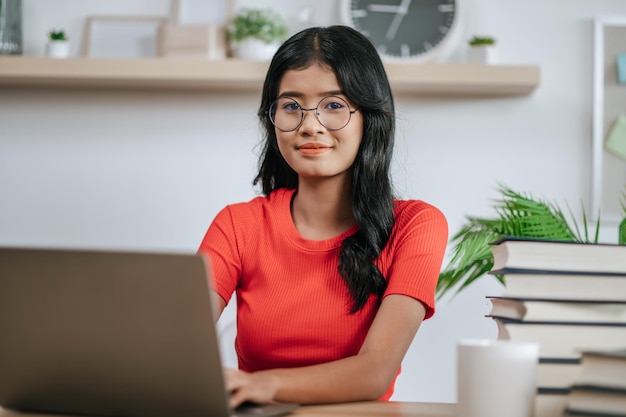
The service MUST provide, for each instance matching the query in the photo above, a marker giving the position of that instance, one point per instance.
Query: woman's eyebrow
(297, 94)
(290, 94)
(334, 93)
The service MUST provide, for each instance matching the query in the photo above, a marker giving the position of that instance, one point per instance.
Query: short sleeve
(418, 245)
(220, 244)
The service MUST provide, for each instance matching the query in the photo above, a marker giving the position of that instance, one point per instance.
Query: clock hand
(397, 19)
(384, 8)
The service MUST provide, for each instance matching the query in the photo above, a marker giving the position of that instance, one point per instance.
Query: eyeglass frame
(317, 117)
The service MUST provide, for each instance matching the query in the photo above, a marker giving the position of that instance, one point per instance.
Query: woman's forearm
(365, 376)
(356, 378)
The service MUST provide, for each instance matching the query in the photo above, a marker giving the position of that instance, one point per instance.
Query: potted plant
(58, 45)
(482, 50)
(257, 33)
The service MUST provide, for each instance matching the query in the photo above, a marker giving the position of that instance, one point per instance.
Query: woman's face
(312, 150)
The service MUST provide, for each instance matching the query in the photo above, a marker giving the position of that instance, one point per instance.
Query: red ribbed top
(292, 304)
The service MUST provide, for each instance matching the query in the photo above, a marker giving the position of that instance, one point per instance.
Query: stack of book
(569, 297)
(600, 387)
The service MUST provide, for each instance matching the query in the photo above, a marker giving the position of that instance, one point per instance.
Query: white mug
(496, 378)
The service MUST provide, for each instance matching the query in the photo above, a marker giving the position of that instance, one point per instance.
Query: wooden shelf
(235, 75)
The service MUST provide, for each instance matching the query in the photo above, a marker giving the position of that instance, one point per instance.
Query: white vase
(58, 49)
(482, 54)
(255, 49)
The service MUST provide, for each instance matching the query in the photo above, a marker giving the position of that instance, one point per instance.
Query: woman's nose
(310, 121)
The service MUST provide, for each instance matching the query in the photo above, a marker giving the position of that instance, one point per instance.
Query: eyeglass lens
(332, 112)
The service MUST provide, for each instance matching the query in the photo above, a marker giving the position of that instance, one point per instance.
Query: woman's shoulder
(257, 206)
(411, 211)
(414, 207)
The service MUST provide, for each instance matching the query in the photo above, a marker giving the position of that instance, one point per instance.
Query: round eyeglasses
(332, 112)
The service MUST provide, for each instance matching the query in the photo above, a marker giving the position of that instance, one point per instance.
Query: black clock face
(404, 28)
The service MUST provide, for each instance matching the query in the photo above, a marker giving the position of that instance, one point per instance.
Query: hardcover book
(537, 309)
(590, 400)
(559, 285)
(550, 404)
(520, 253)
(603, 368)
(563, 340)
(557, 374)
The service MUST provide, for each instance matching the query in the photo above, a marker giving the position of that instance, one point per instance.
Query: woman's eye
(291, 107)
(334, 105)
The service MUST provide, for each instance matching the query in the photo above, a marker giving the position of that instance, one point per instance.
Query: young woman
(333, 276)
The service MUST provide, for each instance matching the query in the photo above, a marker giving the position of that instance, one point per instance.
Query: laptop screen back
(109, 334)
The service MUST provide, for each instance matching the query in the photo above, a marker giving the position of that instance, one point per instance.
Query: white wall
(149, 170)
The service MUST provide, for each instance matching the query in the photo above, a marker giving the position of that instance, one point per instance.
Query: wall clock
(406, 30)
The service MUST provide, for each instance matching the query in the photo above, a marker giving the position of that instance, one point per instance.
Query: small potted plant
(58, 45)
(482, 50)
(257, 33)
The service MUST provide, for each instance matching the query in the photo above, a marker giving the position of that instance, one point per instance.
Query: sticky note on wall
(616, 141)
(621, 68)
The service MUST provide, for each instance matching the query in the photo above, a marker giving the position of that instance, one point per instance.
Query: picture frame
(200, 12)
(206, 41)
(122, 36)
(608, 172)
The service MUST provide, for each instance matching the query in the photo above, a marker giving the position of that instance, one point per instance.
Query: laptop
(113, 334)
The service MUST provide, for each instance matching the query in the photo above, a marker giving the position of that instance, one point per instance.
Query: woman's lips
(313, 149)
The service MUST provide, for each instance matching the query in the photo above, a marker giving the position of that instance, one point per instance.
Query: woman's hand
(258, 387)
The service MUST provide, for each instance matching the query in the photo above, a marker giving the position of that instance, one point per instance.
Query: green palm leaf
(518, 215)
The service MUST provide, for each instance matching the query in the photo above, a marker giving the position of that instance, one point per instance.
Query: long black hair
(362, 77)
